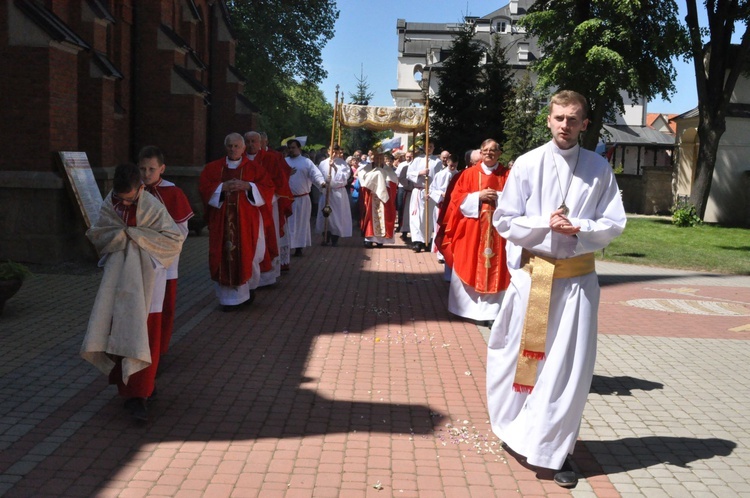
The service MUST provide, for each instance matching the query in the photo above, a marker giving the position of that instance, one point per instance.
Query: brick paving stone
(349, 372)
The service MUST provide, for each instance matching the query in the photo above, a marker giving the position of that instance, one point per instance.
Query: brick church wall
(56, 98)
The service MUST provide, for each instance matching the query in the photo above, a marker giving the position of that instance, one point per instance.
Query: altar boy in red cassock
(469, 242)
(238, 194)
(151, 164)
(138, 240)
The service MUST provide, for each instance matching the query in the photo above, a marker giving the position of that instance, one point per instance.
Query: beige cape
(117, 326)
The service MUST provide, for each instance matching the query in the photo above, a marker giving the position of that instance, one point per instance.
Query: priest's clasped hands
(235, 185)
(559, 223)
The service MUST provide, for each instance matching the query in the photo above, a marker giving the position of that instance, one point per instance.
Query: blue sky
(365, 40)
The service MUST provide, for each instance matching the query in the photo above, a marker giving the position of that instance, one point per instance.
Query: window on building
(523, 51)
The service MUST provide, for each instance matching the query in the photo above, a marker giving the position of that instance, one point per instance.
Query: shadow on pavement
(634, 453)
(256, 373)
(622, 385)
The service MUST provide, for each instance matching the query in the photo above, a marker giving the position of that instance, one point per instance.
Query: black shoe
(369, 245)
(298, 252)
(250, 299)
(334, 240)
(226, 308)
(566, 477)
(417, 247)
(379, 244)
(137, 409)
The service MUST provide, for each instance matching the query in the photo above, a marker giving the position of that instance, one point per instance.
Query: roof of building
(636, 135)
(523, 7)
(651, 118)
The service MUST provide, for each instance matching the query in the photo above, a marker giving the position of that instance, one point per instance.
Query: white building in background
(422, 48)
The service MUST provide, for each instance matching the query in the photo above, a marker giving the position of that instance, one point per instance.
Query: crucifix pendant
(564, 208)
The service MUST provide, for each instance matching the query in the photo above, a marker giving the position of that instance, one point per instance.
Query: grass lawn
(654, 241)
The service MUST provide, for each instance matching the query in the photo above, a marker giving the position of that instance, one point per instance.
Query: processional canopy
(398, 119)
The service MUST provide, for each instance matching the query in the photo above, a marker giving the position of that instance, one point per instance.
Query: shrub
(10, 270)
(684, 214)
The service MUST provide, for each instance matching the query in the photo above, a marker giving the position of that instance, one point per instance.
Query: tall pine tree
(453, 109)
(497, 80)
(468, 107)
(525, 123)
(359, 138)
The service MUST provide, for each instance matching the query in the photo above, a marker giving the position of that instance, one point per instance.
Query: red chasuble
(471, 246)
(279, 171)
(233, 228)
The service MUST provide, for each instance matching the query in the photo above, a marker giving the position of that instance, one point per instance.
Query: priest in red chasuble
(469, 242)
(238, 196)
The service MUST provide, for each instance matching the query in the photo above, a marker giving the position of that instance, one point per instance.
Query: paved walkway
(349, 378)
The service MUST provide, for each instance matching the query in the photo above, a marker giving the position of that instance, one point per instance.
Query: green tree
(359, 138)
(308, 114)
(525, 119)
(280, 42)
(601, 48)
(469, 105)
(497, 82)
(718, 65)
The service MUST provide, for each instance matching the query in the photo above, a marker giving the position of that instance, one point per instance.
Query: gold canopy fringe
(398, 119)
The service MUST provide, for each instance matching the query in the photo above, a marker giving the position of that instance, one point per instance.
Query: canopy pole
(427, 159)
(327, 208)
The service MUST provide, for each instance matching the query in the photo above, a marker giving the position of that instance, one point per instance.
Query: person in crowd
(354, 189)
(276, 213)
(334, 213)
(421, 172)
(405, 187)
(560, 204)
(137, 240)
(438, 190)
(152, 167)
(304, 175)
(379, 185)
(283, 197)
(238, 195)
(470, 245)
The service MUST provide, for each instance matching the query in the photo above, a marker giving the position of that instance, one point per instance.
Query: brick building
(107, 77)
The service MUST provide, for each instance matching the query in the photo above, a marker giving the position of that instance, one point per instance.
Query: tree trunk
(710, 131)
(590, 138)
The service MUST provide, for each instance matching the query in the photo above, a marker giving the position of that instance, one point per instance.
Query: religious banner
(398, 119)
(82, 184)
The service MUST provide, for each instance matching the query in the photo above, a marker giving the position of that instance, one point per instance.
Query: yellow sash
(533, 340)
